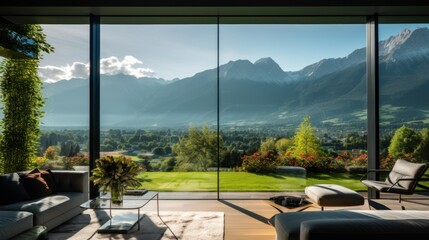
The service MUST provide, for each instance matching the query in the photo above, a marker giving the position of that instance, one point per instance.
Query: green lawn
(242, 181)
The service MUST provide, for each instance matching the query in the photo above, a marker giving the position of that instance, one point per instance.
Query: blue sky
(170, 51)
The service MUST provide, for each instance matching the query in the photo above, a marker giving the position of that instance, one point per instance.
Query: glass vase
(116, 193)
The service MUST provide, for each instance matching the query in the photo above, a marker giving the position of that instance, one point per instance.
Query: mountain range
(332, 91)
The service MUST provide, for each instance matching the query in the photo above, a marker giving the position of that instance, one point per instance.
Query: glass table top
(129, 202)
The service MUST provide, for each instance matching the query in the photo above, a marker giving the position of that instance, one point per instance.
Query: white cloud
(108, 66)
(53, 74)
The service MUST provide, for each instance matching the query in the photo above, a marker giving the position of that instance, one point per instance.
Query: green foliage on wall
(21, 94)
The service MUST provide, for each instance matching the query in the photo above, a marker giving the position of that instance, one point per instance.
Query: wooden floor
(244, 219)
(247, 219)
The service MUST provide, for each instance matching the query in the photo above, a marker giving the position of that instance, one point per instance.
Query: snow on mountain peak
(394, 42)
(266, 60)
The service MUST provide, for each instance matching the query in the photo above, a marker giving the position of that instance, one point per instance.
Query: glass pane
(292, 107)
(159, 102)
(63, 83)
(65, 75)
(404, 102)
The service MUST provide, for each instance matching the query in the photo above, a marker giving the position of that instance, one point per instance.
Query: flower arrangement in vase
(115, 174)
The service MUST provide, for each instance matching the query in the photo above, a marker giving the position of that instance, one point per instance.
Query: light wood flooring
(247, 219)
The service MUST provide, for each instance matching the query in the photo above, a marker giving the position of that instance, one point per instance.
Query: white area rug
(169, 225)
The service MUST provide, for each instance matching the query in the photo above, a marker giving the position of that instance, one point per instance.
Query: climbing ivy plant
(21, 95)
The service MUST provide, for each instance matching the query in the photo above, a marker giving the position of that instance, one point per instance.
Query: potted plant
(115, 174)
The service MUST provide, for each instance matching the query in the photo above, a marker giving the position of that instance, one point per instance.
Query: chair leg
(321, 208)
(400, 199)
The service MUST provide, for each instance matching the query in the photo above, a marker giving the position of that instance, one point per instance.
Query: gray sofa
(352, 224)
(49, 211)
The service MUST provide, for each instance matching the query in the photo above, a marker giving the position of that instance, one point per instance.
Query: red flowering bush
(344, 156)
(260, 162)
(357, 164)
(78, 160)
(361, 160)
(313, 163)
(388, 161)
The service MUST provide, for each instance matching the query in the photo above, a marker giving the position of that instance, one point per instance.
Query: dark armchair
(402, 179)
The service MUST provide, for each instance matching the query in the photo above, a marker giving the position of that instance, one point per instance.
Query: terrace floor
(247, 218)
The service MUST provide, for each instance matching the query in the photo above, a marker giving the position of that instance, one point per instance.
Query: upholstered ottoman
(332, 195)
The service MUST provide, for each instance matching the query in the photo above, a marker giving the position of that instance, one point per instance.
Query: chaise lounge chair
(402, 179)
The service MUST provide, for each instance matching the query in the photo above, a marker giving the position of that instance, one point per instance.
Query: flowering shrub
(313, 163)
(344, 156)
(357, 164)
(51, 153)
(38, 162)
(361, 160)
(388, 161)
(260, 162)
(78, 160)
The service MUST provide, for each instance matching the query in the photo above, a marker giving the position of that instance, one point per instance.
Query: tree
(233, 158)
(198, 150)
(404, 141)
(168, 164)
(69, 148)
(22, 99)
(158, 151)
(168, 150)
(421, 153)
(269, 145)
(283, 144)
(305, 142)
(353, 140)
(50, 153)
(145, 163)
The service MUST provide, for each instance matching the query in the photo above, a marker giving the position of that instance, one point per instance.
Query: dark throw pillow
(11, 189)
(35, 185)
(49, 178)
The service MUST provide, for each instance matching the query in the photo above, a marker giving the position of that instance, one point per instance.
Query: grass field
(242, 181)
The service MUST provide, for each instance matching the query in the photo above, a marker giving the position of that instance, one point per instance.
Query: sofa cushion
(34, 233)
(288, 225)
(14, 222)
(47, 208)
(405, 169)
(35, 185)
(380, 229)
(333, 195)
(9, 183)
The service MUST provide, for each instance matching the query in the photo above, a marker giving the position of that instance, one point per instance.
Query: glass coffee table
(122, 223)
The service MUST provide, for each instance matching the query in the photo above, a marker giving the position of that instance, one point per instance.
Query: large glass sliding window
(290, 101)
(65, 74)
(292, 105)
(404, 84)
(159, 100)
(64, 125)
